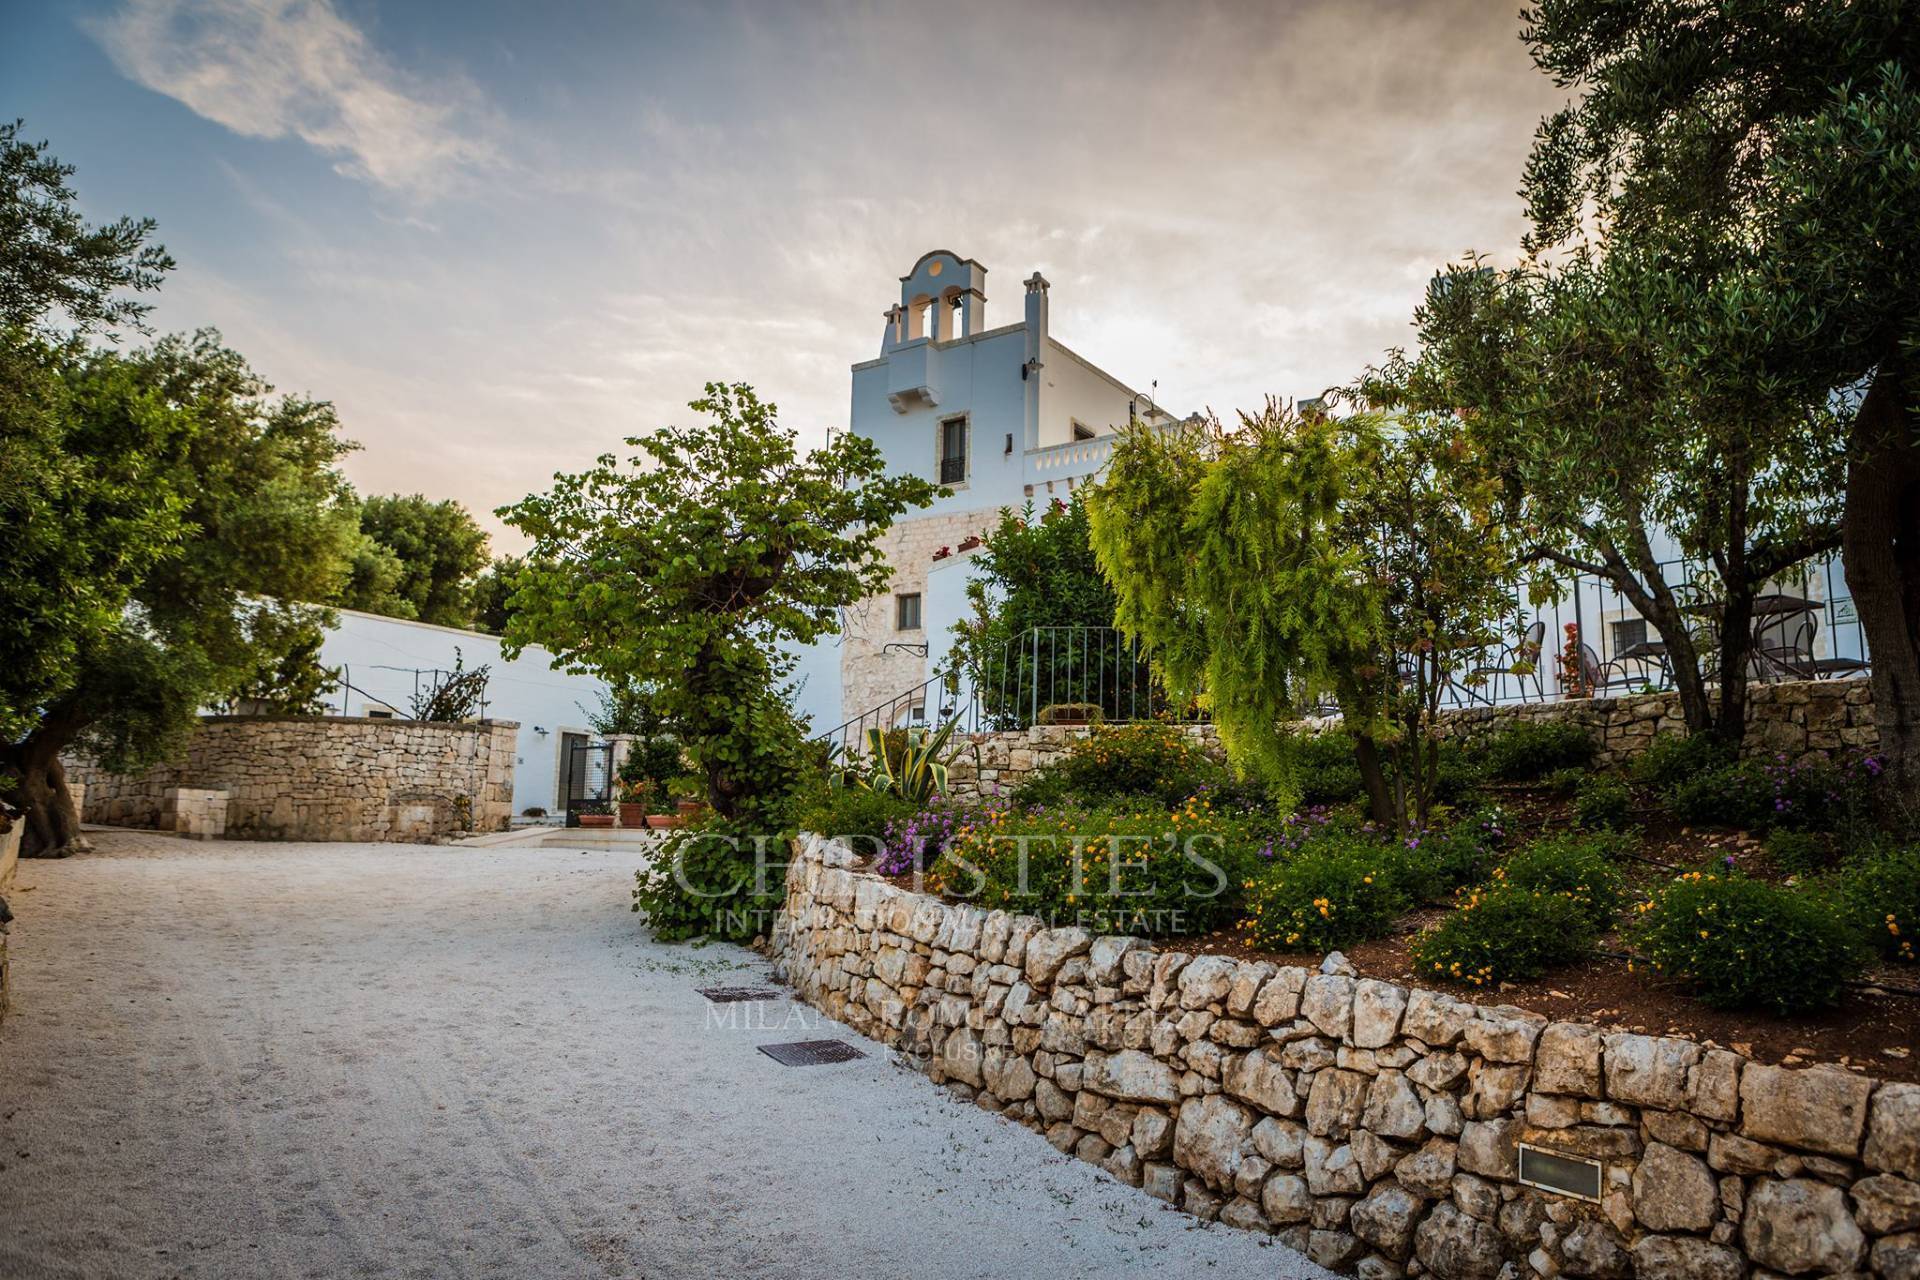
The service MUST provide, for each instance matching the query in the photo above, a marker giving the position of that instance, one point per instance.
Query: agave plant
(916, 770)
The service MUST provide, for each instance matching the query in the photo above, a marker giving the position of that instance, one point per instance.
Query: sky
(501, 236)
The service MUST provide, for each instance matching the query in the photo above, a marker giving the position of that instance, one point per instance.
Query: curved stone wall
(1374, 1128)
(323, 778)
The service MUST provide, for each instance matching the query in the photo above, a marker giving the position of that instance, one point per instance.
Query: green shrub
(1672, 759)
(1809, 794)
(1502, 932)
(1151, 761)
(1326, 772)
(858, 815)
(1731, 795)
(1563, 782)
(1325, 769)
(1535, 748)
(1603, 800)
(707, 881)
(1435, 863)
(1744, 943)
(1151, 873)
(1880, 895)
(1579, 867)
(1337, 892)
(1797, 853)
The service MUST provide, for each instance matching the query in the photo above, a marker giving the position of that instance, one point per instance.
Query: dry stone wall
(1799, 718)
(1374, 1128)
(317, 778)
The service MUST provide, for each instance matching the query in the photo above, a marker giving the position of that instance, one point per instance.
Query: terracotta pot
(662, 821)
(596, 819)
(633, 814)
(689, 808)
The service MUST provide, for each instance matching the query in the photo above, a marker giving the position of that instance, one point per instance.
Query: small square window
(906, 612)
(1629, 632)
(1081, 431)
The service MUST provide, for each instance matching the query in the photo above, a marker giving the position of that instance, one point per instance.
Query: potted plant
(594, 815)
(689, 794)
(633, 800)
(650, 765)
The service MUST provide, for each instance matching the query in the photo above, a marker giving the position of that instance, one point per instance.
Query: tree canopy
(1299, 557)
(1754, 167)
(421, 559)
(684, 567)
(1033, 569)
(158, 505)
(57, 272)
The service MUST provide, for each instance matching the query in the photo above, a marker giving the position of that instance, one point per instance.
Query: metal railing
(1075, 674)
(1627, 649)
(1060, 675)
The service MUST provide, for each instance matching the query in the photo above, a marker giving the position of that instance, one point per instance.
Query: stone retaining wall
(1800, 718)
(1374, 1128)
(318, 778)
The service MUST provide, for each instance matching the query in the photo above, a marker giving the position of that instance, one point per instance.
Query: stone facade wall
(1798, 717)
(1374, 1128)
(320, 778)
(868, 677)
(984, 762)
(1801, 717)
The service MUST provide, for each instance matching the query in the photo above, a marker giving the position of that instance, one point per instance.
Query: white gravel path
(238, 1060)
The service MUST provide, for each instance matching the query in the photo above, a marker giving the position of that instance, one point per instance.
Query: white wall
(380, 655)
(816, 684)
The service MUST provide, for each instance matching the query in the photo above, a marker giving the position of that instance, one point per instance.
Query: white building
(384, 662)
(999, 416)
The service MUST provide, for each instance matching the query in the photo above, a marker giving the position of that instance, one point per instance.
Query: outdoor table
(1653, 651)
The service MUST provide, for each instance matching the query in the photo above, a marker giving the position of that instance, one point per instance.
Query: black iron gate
(589, 776)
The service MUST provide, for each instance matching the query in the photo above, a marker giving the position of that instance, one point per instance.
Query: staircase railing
(1061, 675)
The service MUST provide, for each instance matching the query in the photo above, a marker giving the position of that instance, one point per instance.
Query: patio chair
(1527, 650)
(1600, 676)
(1789, 656)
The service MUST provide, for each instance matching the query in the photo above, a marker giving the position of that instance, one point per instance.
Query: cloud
(296, 68)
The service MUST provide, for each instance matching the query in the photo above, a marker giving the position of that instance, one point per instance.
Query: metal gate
(589, 776)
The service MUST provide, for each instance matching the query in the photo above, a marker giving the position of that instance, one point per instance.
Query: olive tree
(1761, 157)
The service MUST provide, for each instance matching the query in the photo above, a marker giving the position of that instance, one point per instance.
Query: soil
(1875, 1030)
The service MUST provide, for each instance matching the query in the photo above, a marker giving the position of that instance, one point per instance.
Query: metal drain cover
(811, 1053)
(736, 995)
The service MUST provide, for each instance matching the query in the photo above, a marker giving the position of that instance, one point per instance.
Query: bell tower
(943, 298)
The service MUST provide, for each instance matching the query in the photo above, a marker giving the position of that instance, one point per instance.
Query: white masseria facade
(998, 415)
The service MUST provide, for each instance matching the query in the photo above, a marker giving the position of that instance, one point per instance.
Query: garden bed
(1874, 1030)
(1652, 848)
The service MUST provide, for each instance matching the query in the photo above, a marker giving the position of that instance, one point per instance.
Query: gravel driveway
(237, 1060)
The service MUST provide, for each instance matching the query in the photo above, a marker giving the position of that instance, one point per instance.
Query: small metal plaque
(811, 1053)
(738, 995)
(1560, 1173)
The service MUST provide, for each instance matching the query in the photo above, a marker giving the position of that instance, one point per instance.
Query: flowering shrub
(1148, 760)
(916, 840)
(1580, 867)
(1337, 892)
(1148, 873)
(1701, 783)
(1543, 907)
(1501, 932)
(1881, 896)
(1744, 943)
(1433, 863)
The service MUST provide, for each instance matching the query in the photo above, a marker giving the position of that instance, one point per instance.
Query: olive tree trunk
(1880, 537)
